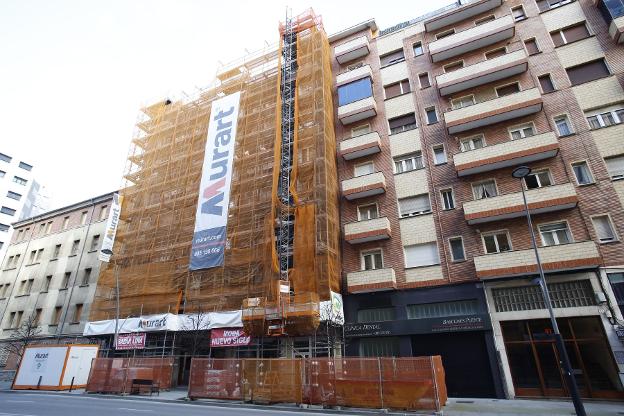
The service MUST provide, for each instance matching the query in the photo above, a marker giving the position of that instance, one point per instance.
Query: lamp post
(564, 362)
(109, 252)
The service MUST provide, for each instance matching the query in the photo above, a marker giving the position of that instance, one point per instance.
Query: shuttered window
(421, 255)
(376, 315)
(569, 34)
(403, 123)
(615, 166)
(604, 228)
(392, 58)
(414, 205)
(588, 72)
(379, 347)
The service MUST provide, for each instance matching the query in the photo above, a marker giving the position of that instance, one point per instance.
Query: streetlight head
(520, 172)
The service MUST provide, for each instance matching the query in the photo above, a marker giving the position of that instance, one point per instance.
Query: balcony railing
(511, 153)
(363, 186)
(360, 146)
(494, 111)
(472, 39)
(564, 257)
(371, 280)
(367, 230)
(351, 50)
(459, 14)
(357, 110)
(490, 70)
(502, 207)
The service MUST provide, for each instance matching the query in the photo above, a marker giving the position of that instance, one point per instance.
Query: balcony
(472, 39)
(357, 110)
(458, 14)
(363, 186)
(371, 280)
(494, 111)
(353, 75)
(351, 50)
(565, 257)
(368, 230)
(613, 13)
(490, 70)
(511, 153)
(502, 207)
(360, 146)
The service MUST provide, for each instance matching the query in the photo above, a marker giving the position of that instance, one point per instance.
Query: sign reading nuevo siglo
(228, 337)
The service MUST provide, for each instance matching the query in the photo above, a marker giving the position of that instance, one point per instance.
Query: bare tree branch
(23, 336)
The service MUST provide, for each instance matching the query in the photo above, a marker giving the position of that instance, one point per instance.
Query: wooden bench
(141, 384)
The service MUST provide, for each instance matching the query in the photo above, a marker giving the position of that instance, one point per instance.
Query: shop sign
(229, 337)
(476, 322)
(131, 341)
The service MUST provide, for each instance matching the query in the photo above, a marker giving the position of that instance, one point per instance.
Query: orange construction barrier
(115, 375)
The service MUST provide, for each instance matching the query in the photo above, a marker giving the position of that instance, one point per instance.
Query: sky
(74, 73)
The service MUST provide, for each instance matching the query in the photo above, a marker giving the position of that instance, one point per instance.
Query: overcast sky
(73, 74)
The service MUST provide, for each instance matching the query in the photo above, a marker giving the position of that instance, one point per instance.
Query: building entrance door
(534, 360)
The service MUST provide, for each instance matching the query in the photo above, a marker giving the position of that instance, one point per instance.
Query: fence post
(381, 393)
(435, 383)
(39, 382)
(71, 386)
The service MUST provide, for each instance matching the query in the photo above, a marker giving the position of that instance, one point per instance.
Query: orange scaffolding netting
(115, 375)
(162, 176)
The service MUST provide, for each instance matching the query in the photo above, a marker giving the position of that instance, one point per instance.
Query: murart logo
(213, 193)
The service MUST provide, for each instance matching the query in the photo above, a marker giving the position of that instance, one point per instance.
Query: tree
(330, 328)
(194, 328)
(23, 336)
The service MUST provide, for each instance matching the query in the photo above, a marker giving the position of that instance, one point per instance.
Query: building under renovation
(282, 255)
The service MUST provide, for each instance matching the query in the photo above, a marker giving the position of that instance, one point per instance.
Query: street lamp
(564, 362)
(109, 252)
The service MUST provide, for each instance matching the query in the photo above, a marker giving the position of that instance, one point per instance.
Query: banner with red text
(229, 337)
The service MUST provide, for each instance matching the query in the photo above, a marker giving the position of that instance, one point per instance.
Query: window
(37, 318)
(4, 227)
(604, 228)
(14, 195)
(95, 241)
(65, 282)
(454, 66)
(569, 34)
(39, 254)
(461, 102)
(376, 315)
(409, 162)
(83, 218)
(457, 248)
(518, 13)
(485, 189)
(7, 211)
(20, 235)
(545, 5)
(587, 72)
(495, 53)
(439, 155)
(522, 131)
(103, 212)
(392, 58)
(418, 49)
(496, 242)
(394, 90)
(18, 319)
(414, 205)
(65, 223)
(582, 173)
(56, 316)
(445, 34)
(57, 251)
(421, 255)
(367, 212)
(484, 20)
(5, 158)
(563, 125)
(32, 256)
(555, 234)
(351, 92)
(432, 116)
(562, 295)
(546, 83)
(74, 249)
(46, 284)
(403, 123)
(508, 89)
(442, 309)
(471, 143)
(606, 117)
(2, 173)
(19, 181)
(448, 199)
(77, 313)
(380, 347)
(48, 227)
(538, 179)
(423, 79)
(11, 320)
(29, 286)
(372, 260)
(531, 46)
(360, 130)
(615, 167)
(41, 228)
(25, 166)
(359, 170)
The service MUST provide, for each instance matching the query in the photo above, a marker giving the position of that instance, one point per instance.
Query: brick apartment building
(50, 272)
(432, 117)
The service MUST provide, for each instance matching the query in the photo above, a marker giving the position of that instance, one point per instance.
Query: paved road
(39, 404)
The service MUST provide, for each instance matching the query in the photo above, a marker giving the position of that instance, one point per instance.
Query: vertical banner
(111, 228)
(214, 191)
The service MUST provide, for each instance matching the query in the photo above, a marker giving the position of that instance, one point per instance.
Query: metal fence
(115, 375)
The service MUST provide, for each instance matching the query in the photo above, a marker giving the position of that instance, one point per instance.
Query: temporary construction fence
(415, 383)
(115, 375)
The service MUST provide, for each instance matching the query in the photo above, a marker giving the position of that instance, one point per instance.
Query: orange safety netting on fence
(398, 383)
(115, 375)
